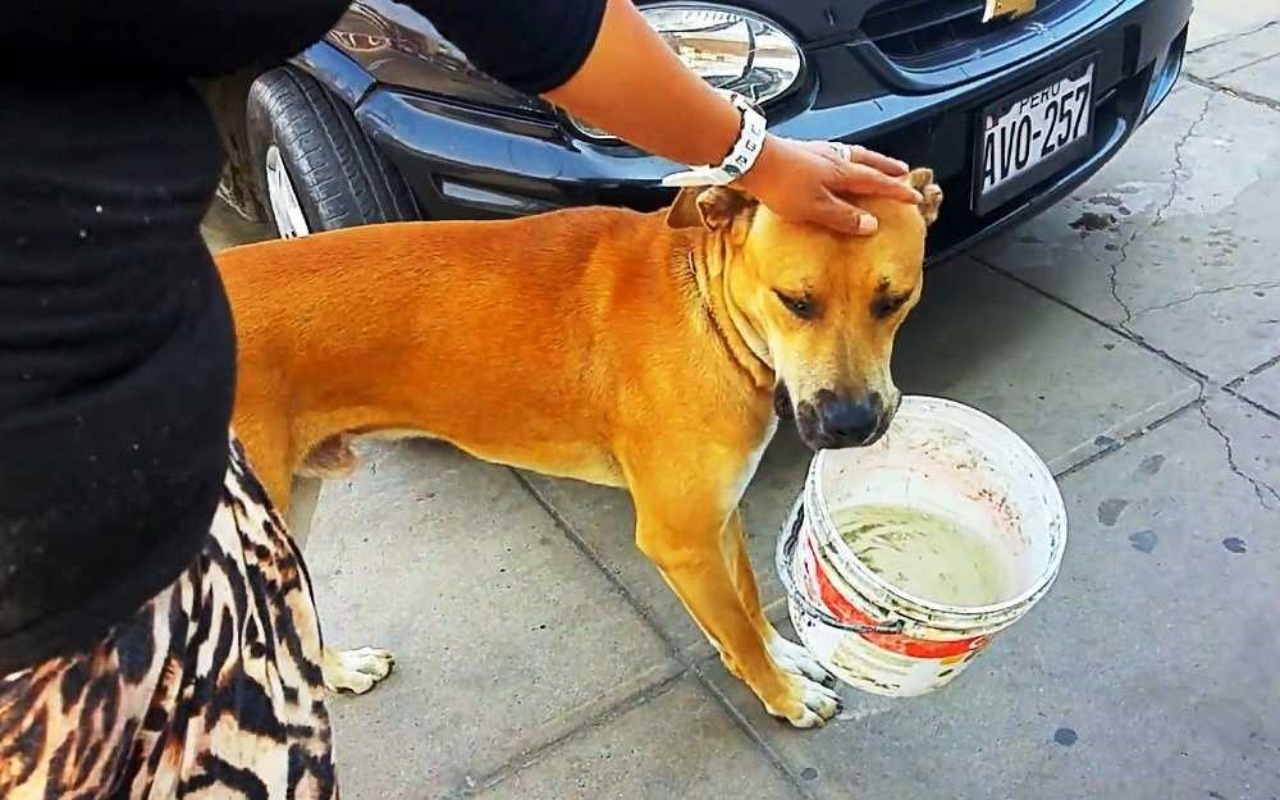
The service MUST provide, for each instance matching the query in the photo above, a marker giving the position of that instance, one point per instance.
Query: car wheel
(315, 169)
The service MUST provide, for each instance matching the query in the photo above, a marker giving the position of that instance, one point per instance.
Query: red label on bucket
(843, 610)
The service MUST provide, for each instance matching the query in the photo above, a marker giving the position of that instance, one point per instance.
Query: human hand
(810, 181)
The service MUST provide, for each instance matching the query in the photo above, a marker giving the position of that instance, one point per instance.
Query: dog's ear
(683, 213)
(713, 207)
(921, 180)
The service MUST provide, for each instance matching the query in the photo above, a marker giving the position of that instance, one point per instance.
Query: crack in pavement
(1261, 488)
(1175, 187)
(1232, 36)
(1263, 367)
(1246, 65)
(1179, 166)
(1240, 94)
(1115, 281)
(1203, 292)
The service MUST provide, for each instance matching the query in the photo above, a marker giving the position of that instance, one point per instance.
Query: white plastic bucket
(944, 458)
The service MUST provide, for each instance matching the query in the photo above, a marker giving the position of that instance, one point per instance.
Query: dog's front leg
(792, 657)
(688, 555)
(684, 530)
(738, 563)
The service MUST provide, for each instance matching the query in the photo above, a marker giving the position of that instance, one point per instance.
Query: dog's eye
(886, 305)
(802, 307)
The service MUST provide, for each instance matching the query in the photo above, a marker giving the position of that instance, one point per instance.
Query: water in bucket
(931, 556)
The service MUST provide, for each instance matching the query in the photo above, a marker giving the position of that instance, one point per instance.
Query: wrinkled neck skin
(713, 261)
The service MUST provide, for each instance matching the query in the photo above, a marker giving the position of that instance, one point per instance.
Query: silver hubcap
(285, 208)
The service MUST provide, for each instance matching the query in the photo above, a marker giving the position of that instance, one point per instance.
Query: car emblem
(1007, 8)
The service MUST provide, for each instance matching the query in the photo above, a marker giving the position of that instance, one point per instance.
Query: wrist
(741, 158)
(760, 174)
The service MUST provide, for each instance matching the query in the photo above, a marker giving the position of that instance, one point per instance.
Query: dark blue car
(1013, 103)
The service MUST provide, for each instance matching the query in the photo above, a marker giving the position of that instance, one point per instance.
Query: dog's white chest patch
(752, 462)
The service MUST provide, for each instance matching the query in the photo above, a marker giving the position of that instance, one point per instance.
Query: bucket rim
(784, 551)
(830, 541)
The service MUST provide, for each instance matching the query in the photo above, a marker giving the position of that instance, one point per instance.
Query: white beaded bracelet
(740, 159)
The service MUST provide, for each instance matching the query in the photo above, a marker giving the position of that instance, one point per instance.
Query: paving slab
(1264, 388)
(506, 637)
(678, 745)
(1148, 670)
(1214, 21)
(1173, 241)
(1235, 53)
(1069, 386)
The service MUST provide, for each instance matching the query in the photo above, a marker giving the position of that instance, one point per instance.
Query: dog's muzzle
(831, 422)
(782, 403)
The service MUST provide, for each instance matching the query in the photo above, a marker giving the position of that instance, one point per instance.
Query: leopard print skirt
(213, 689)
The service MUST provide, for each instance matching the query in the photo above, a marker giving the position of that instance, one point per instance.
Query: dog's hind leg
(332, 458)
(357, 670)
(360, 669)
(304, 496)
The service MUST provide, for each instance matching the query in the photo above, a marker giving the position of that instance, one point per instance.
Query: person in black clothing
(157, 632)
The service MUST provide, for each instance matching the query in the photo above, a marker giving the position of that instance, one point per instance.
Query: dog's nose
(850, 421)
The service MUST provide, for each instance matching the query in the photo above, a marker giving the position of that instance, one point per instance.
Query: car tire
(315, 169)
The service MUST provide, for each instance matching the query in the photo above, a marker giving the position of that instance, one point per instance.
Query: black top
(117, 353)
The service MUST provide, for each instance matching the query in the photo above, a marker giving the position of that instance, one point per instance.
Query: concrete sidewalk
(540, 656)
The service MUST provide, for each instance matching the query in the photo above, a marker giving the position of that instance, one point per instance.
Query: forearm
(598, 60)
(633, 85)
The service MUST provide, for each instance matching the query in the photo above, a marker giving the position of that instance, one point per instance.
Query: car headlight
(729, 48)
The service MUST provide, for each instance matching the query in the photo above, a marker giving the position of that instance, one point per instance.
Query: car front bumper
(465, 162)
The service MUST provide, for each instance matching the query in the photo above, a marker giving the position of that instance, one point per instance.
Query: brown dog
(614, 347)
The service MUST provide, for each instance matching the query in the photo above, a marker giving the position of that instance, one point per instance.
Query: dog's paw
(355, 671)
(795, 659)
(815, 707)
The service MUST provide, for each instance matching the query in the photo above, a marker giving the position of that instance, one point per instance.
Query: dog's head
(825, 306)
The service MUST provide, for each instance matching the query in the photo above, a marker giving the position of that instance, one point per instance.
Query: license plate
(1032, 133)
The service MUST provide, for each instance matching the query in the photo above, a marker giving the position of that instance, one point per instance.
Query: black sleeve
(87, 40)
(531, 45)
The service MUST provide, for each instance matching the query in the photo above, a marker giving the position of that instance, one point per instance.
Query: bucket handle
(786, 546)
